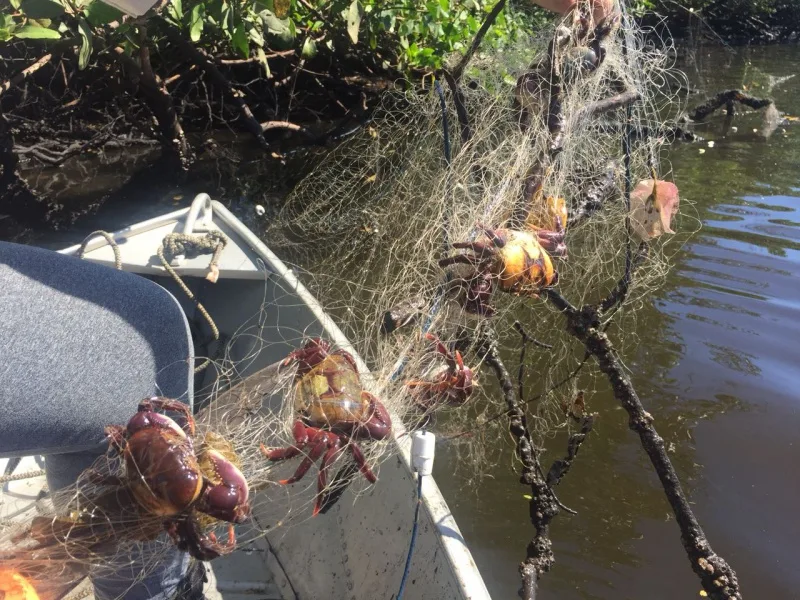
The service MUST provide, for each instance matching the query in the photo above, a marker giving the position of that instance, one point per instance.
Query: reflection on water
(721, 377)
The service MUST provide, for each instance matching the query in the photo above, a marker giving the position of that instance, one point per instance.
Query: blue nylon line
(413, 538)
(626, 149)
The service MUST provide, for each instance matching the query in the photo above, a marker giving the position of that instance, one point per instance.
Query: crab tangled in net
(334, 412)
(385, 227)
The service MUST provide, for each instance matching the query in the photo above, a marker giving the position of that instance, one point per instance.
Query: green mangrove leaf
(175, 10)
(35, 32)
(41, 9)
(309, 48)
(196, 22)
(255, 36)
(239, 40)
(278, 28)
(86, 44)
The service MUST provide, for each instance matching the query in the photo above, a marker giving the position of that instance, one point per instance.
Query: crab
(334, 412)
(550, 228)
(450, 385)
(169, 479)
(513, 260)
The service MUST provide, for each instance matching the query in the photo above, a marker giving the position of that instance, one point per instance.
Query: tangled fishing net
(367, 228)
(369, 225)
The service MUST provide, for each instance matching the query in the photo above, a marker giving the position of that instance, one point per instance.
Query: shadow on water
(716, 365)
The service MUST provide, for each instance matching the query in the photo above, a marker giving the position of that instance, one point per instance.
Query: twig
(727, 98)
(593, 199)
(201, 58)
(543, 504)
(266, 126)
(461, 109)
(487, 23)
(620, 291)
(453, 78)
(248, 61)
(504, 413)
(527, 338)
(608, 104)
(57, 50)
(561, 467)
(28, 71)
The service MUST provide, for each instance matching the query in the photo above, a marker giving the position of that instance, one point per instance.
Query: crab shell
(330, 393)
(522, 264)
(172, 480)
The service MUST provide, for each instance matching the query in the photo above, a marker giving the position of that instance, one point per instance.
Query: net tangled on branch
(541, 155)
(546, 120)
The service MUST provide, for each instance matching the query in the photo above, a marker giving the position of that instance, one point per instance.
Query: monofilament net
(366, 229)
(368, 226)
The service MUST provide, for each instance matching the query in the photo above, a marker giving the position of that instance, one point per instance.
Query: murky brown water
(717, 366)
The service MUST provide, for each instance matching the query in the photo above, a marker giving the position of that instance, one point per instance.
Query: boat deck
(357, 549)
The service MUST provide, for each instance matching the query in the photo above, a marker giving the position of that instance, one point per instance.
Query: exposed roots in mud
(170, 95)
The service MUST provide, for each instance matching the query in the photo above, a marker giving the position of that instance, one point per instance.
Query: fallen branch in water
(717, 577)
(728, 99)
(544, 505)
(55, 158)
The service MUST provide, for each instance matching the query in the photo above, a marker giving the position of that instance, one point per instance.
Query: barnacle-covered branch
(717, 577)
(544, 505)
(727, 99)
(561, 467)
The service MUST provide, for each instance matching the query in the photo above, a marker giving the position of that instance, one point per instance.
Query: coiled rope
(213, 243)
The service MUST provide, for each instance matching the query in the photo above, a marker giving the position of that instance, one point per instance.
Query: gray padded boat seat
(82, 344)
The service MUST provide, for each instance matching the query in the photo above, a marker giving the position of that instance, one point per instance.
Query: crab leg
(480, 248)
(160, 403)
(362, 462)
(492, 235)
(460, 259)
(334, 450)
(300, 433)
(320, 443)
